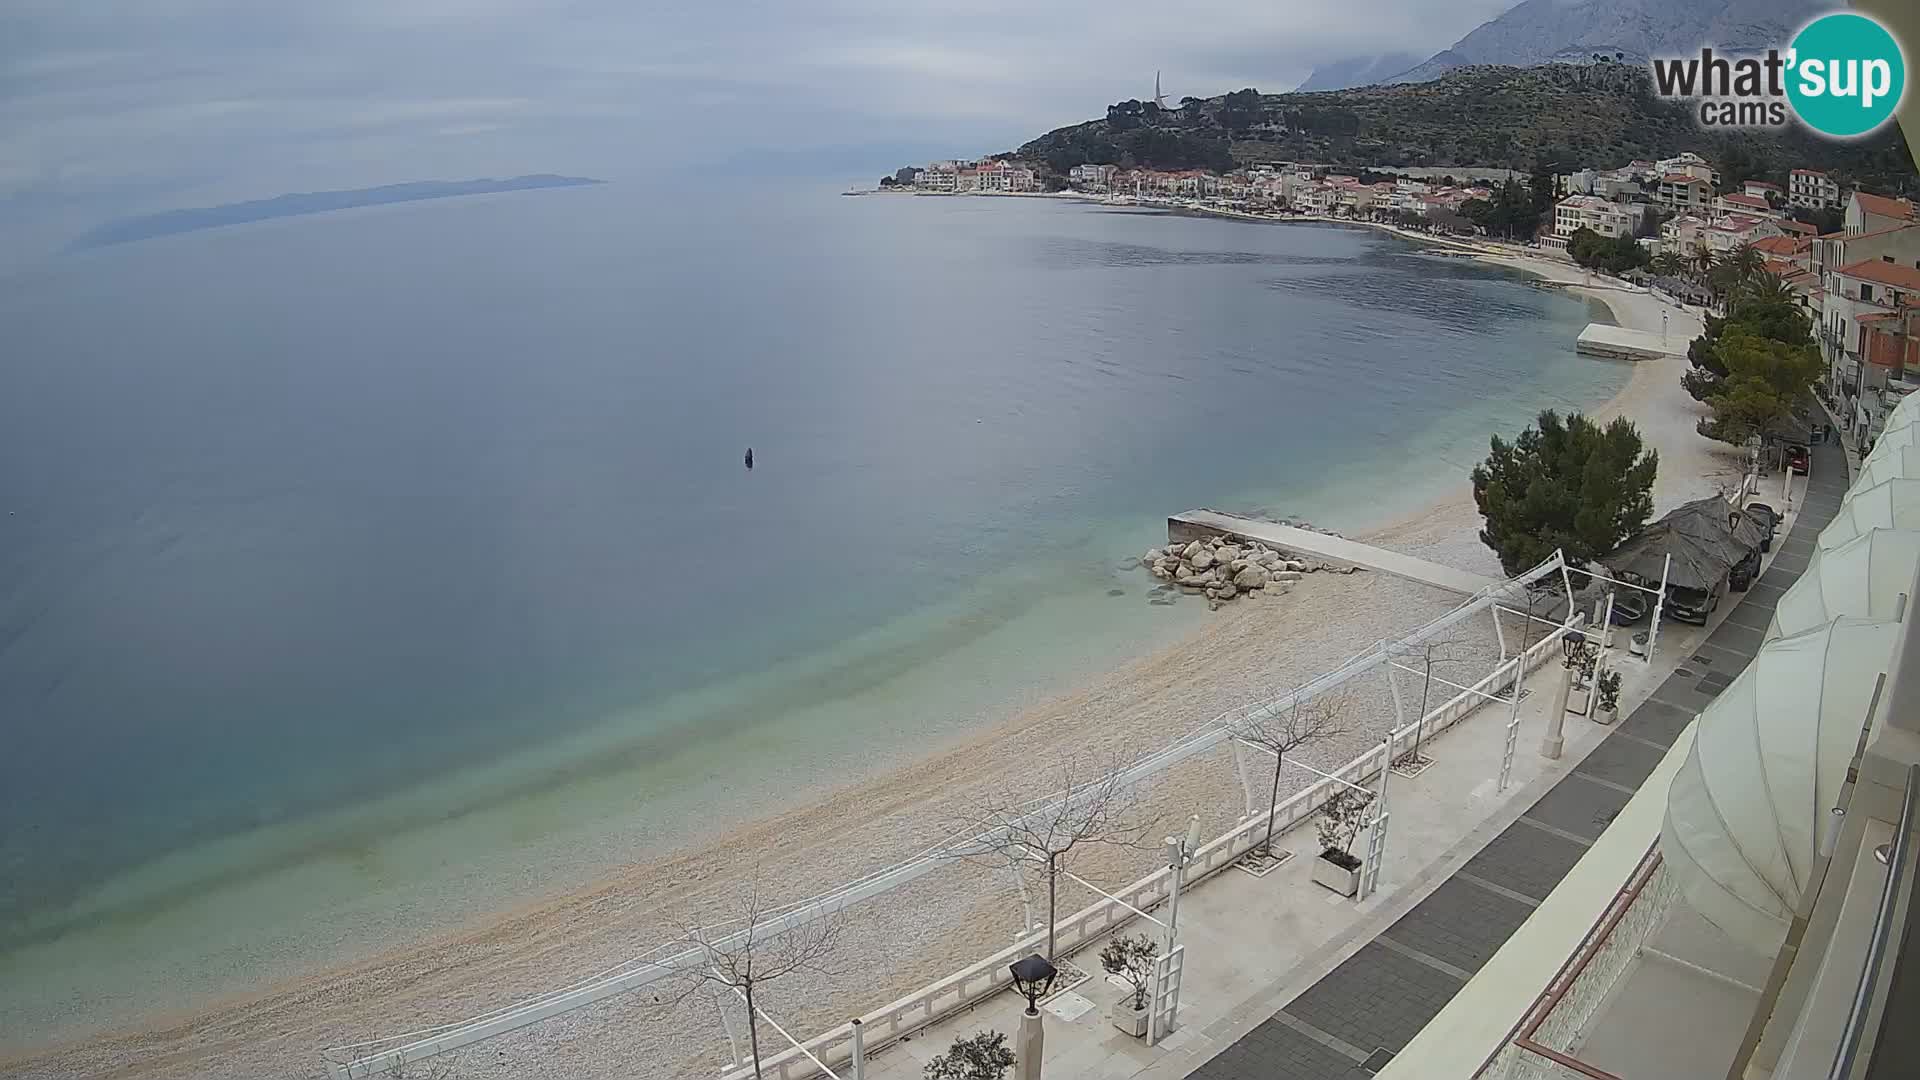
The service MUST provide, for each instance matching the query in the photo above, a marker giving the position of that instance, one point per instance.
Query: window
(1866, 291)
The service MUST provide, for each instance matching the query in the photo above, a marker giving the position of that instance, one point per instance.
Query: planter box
(1578, 700)
(1604, 716)
(1129, 1019)
(1336, 877)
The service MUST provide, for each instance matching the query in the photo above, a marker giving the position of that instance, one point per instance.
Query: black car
(1740, 578)
(1694, 605)
(1630, 606)
(1767, 516)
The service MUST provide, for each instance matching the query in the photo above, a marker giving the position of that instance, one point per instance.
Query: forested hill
(1568, 115)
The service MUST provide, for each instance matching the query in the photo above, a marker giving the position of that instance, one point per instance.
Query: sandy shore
(1249, 650)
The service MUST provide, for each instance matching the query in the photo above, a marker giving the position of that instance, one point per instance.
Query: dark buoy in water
(749, 457)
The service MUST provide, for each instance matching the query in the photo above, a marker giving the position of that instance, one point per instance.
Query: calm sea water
(321, 531)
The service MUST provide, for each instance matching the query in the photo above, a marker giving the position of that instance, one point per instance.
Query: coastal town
(1849, 256)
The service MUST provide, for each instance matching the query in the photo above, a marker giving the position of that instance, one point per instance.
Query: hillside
(1357, 71)
(1547, 31)
(1562, 114)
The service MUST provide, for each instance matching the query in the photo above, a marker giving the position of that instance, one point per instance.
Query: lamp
(1573, 644)
(1033, 977)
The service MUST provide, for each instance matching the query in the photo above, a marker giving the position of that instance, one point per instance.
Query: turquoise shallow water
(408, 553)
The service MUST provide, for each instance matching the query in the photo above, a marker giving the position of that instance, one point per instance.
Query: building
(1682, 234)
(1747, 204)
(1004, 176)
(1688, 164)
(1893, 352)
(1576, 212)
(1763, 189)
(1869, 213)
(1723, 236)
(1092, 177)
(940, 176)
(1812, 188)
(1681, 192)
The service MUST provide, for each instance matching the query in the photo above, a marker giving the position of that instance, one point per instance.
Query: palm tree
(1702, 258)
(1745, 262)
(1668, 264)
(1768, 288)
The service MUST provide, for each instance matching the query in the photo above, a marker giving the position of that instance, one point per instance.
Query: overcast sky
(138, 104)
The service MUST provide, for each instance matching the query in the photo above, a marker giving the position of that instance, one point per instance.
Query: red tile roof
(1808, 172)
(1800, 227)
(1769, 185)
(1752, 201)
(1681, 178)
(1883, 206)
(1897, 275)
(1780, 245)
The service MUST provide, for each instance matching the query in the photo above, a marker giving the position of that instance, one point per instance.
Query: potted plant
(980, 1056)
(1339, 826)
(1608, 706)
(1131, 959)
(1580, 696)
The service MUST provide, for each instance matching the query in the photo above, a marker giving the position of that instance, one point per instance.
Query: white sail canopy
(1903, 463)
(1893, 504)
(1863, 577)
(1746, 810)
(1901, 432)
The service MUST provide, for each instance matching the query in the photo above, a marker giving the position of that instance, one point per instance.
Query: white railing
(936, 1001)
(375, 1057)
(1542, 1043)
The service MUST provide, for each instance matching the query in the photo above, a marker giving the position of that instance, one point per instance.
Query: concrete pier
(1620, 343)
(1319, 547)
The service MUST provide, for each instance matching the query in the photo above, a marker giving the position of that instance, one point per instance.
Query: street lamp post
(1180, 851)
(1572, 645)
(1032, 977)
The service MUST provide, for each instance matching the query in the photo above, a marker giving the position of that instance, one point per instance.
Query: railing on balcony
(1884, 926)
(1538, 1048)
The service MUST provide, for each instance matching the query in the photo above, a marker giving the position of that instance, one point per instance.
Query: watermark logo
(1843, 76)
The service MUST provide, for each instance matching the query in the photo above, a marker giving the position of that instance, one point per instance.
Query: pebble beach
(1263, 643)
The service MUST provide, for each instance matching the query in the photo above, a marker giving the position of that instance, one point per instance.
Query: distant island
(166, 223)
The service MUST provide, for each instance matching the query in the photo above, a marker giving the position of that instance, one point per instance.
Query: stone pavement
(1350, 1023)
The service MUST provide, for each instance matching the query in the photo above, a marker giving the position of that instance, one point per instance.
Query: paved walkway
(1333, 549)
(1349, 1024)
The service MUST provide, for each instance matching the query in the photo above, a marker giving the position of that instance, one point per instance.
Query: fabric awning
(1746, 810)
(1705, 537)
(1894, 504)
(1863, 577)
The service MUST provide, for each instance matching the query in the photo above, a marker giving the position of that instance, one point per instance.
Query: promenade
(1287, 981)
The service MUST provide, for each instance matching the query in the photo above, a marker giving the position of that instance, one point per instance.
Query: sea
(366, 572)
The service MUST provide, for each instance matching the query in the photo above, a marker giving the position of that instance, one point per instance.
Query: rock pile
(1223, 569)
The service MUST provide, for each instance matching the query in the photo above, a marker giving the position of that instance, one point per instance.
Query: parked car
(1740, 578)
(1630, 606)
(1767, 516)
(1694, 605)
(1797, 459)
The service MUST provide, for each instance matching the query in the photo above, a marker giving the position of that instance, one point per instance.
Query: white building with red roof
(1812, 188)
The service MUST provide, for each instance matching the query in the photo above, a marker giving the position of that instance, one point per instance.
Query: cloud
(244, 98)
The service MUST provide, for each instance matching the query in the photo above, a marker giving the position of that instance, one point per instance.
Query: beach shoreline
(530, 946)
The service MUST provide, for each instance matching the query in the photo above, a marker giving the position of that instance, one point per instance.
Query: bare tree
(1447, 651)
(762, 945)
(1091, 806)
(1282, 731)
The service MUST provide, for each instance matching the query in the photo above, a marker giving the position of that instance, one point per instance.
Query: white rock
(1161, 572)
(1296, 566)
(1238, 565)
(1184, 573)
(1227, 591)
(1202, 559)
(1152, 556)
(1287, 575)
(1251, 577)
(1206, 577)
(1228, 553)
(1191, 550)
